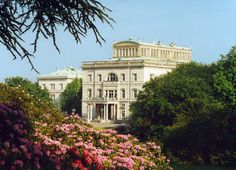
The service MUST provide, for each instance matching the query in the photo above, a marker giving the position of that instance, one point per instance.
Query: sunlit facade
(110, 86)
(56, 82)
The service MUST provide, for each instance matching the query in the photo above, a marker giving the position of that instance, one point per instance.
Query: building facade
(110, 86)
(56, 82)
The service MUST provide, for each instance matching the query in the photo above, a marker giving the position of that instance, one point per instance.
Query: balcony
(110, 83)
(102, 99)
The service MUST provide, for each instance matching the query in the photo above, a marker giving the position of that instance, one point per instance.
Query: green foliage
(191, 111)
(42, 19)
(37, 136)
(32, 88)
(30, 105)
(166, 97)
(225, 78)
(71, 97)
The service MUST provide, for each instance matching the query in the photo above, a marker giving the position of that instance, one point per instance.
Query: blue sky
(207, 26)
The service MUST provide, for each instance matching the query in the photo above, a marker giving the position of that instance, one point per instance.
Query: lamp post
(73, 110)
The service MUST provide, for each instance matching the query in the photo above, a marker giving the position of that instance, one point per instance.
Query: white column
(88, 112)
(114, 112)
(106, 113)
(118, 111)
(91, 112)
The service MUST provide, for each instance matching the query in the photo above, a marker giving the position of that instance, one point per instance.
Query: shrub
(17, 150)
(37, 136)
(34, 108)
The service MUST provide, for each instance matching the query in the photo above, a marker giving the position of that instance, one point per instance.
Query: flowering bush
(82, 159)
(31, 106)
(17, 150)
(80, 146)
(34, 139)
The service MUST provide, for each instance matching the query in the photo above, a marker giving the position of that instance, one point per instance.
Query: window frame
(112, 77)
(135, 93)
(135, 77)
(89, 93)
(123, 76)
(99, 77)
(123, 93)
(53, 86)
(89, 77)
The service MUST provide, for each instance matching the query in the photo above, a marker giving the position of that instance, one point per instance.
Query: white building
(110, 86)
(56, 82)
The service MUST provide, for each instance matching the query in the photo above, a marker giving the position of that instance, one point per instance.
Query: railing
(110, 83)
(102, 99)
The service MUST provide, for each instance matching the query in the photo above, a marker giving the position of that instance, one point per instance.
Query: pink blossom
(2, 163)
(18, 163)
(6, 144)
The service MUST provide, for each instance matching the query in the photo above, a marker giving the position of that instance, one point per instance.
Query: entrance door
(99, 111)
(112, 111)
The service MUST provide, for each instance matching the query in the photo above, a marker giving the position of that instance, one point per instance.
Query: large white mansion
(110, 86)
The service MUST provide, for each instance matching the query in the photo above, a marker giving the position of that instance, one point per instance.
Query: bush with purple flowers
(17, 150)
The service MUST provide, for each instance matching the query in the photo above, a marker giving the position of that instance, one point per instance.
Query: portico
(103, 112)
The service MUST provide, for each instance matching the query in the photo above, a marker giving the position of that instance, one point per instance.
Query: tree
(32, 88)
(225, 78)
(173, 98)
(43, 17)
(71, 97)
(189, 111)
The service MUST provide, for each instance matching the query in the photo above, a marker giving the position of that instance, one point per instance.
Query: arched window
(112, 77)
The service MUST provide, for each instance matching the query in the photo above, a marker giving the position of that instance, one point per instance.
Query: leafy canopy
(184, 91)
(42, 17)
(191, 111)
(32, 88)
(225, 78)
(71, 97)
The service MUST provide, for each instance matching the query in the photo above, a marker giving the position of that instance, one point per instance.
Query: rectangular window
(135, 93)
(122, 93)
(100, 93)
(123, 114)
(151, 76)
(123, 77)
(52, 86)
(106, 95)
(89, 93)
(61, 86)
(134, 77)
(99, 77)
(44, 86)
(90, 77)
(111, 94)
